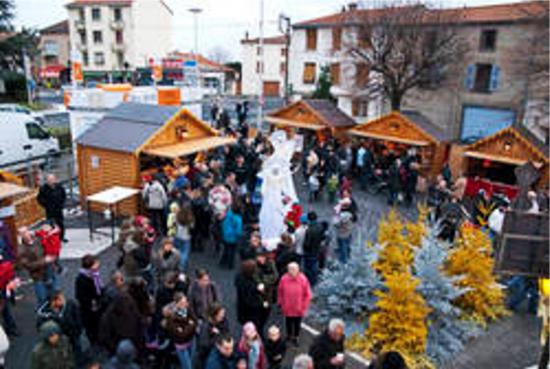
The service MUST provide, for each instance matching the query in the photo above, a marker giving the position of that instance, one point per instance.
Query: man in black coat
(52, 197)
(327, 350)
(66, 314)
(313, 240)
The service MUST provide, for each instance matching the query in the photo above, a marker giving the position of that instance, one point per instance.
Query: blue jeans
(311, 268)
(183, 246)
(184, 357)
(43, 289)
(344, 249)
(521, 288)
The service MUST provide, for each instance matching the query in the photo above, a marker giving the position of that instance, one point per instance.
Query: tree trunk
(396, 101)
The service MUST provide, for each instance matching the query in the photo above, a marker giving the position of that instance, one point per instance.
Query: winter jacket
(181, 325)
(249, 299)
(294, 295)
(200, 300)
(216, 360)
(315, 235)
(88, 299)
(208, 333)
(124, 358)
(154, 196)
(232, 228)
(68, 318)
(31, 258)
(275, 352)
(344, 224)
(268, 276)
(48, 356)
(324, 349)
(165, 262)
(52, 199)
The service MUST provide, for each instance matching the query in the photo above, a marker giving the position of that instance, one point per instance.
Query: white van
(21, 137)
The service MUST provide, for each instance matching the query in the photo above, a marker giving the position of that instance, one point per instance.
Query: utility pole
(285, 29)
(261, 72)
(196, 11)
(28, 76)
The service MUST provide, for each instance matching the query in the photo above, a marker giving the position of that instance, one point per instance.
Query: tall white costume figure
(277, 184)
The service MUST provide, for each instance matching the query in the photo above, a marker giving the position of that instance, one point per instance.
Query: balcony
(79, 24)
(118, 46)
(117, 25)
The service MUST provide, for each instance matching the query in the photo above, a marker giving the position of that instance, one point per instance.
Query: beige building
(486, 94)
(115, 35)
(54, 47)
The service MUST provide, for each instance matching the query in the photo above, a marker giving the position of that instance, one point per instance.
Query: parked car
(23, 137)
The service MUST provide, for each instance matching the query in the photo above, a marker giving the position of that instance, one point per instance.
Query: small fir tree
(447, 331)
(483, 300)
(347, 290)
(396, 252)
(399, 324)
(417, 230)
(322, 90)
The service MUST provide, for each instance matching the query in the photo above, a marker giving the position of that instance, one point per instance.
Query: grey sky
(222, 23)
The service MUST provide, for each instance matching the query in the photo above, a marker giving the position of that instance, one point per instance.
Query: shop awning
(190, 147)
(293, 123)
(498, 158)
(51, 71)
(378, 136)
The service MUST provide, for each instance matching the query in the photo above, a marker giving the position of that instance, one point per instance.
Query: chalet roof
(127, 127)
(267, 40)
(499, 13)
(426, 124)
(330, 113)
(527, 134)
(57, 28)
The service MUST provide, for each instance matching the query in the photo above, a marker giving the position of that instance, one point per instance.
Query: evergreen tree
(396, 254)
(347, 290)
(6, 15)
(399, 324)
(447, 331)
(417, 230)
(322, 90)
(483, 300)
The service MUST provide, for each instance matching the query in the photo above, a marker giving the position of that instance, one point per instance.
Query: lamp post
(196, 11)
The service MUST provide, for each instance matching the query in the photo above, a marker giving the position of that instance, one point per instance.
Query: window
(98, 37)
(81, 14)
(336, 38)
(488, 40)
(309, 73)
(335, 73)
(99, 58)
(282, 68)
(96, 14)
(311, 39)
(117, 14)
(361, 75)
(483, 77)
(82, 35)
(119, 37)
(35, 132)
(359, 108)
(85, 58)
(50, 48)
(120, 59)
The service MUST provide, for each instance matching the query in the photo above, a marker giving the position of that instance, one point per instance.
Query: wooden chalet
(495, 157)
(9, 194)
(321, 117)
(136, 139)
(399, 131)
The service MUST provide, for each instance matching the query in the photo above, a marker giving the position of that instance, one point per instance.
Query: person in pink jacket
(294, 296)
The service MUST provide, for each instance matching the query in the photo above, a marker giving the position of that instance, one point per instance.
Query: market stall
(312, 118)
(9, 192)
(490, 162)
(136, 139)
(399, 131)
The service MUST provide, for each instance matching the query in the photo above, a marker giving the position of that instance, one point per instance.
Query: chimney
(352, 6)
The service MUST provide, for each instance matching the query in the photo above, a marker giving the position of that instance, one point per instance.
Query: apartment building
(272, 68)
(487, 94)
(54, 46)
(119, 35)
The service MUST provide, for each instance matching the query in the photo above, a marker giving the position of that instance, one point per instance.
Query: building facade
(119, 35)
(267, 77)
(485, 95)
(54, 46)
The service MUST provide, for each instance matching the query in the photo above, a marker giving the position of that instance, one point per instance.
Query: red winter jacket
(294, 295)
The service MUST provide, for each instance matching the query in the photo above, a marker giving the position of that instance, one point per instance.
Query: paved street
(510, 344)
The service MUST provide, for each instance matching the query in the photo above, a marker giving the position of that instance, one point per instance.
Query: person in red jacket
(50, 239)
(294, 297)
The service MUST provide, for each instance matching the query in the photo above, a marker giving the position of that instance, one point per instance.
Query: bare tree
(400, 46)
(219, 55)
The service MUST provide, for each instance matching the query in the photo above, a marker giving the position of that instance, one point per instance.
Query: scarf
(95, 277)
(254, 354)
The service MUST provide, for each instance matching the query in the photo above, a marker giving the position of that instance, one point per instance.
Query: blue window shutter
(495, 75)
(470, 77)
